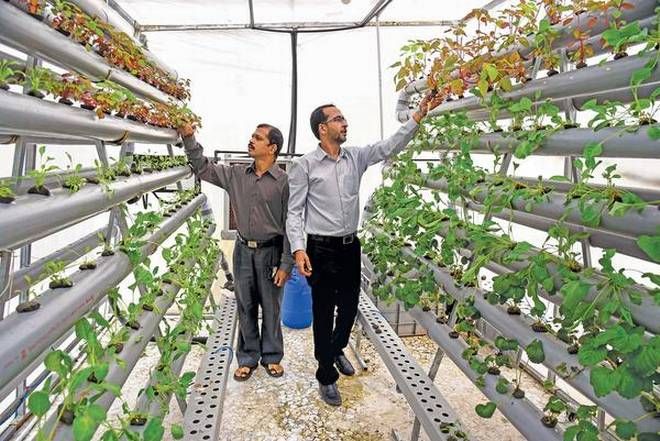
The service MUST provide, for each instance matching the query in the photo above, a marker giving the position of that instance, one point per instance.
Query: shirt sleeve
(216, 174)
(381, 150)
(286, 261)
(298, 188)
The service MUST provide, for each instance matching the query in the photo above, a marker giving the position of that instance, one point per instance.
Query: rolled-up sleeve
(381, 150)
(216, 174)
(298, 188)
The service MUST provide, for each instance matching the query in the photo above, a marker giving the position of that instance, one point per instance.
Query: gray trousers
(254, 287)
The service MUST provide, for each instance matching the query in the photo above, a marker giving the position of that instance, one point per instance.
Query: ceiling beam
(290, 26)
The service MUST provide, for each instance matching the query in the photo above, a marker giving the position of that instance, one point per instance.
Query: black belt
(277, 240)
(334, 240)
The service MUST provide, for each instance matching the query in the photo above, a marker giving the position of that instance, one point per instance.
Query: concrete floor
(289, 409)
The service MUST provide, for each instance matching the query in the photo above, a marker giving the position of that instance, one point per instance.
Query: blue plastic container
(297, 302)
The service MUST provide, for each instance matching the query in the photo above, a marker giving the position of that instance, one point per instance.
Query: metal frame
(204, 411)
(430, 407)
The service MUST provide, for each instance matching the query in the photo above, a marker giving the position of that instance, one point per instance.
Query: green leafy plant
(55, 271)
(40, 174)
(7, 195)
(9, 73)
(73, 182)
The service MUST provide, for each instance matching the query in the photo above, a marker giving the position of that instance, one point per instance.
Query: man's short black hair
(317, 117)
(274, 136)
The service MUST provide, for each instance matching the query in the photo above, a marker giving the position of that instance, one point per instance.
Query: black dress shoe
(330, 394)
(344, 366)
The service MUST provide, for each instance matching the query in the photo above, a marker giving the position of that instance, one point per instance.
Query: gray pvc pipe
(580, 84)
(53, 180)
(25, 336)
(32, 217)
(30, 116)
(633, 224)
(647, 194)
(71, 252)
(23, 32)
(555, 351)
(520, 412)
(100, 9)
(642, 9)
(571, 142)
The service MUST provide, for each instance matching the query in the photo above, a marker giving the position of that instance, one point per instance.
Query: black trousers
(335, 283)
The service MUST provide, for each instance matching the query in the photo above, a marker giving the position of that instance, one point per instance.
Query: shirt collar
(321, 154)
(275, 171)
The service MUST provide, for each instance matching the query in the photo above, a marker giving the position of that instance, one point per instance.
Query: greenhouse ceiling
(159, 14)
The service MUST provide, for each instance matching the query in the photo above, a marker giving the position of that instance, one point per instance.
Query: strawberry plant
(40, 174)
(7, 195)
(9, 73)
(73, 182)
(55, 271)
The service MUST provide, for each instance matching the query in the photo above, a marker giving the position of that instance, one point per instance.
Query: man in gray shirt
(324, 203)
(259, 193)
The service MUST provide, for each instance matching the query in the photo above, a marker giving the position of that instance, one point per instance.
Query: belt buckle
(347, 240)
(252, 244)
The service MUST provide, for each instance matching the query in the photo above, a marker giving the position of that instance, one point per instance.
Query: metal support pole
(291, 148)
(6, 257)
(170, 151)
(380, 79)
(433, 371)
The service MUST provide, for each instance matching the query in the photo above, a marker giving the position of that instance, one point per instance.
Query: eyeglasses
(338, 118)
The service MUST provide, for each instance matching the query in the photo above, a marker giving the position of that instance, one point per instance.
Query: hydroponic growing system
(437, 235)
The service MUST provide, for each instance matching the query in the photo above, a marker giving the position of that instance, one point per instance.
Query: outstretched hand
(186, 130)
(429, 102)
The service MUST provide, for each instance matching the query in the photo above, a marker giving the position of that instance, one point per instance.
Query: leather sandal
(241, 375)
(271, 369)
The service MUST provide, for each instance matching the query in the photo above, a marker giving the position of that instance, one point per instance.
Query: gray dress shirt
(260, 202)
(325, 192)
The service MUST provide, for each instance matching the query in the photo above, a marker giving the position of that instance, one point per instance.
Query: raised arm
(216, 174)
(381, 150)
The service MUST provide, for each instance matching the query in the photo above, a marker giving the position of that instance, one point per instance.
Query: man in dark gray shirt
(259, 193)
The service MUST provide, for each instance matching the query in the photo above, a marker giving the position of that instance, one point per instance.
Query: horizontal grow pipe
(644, 314)
(641, 10)
(621, 243)
(53, 180)
(25, 336)
(32, 217)
(580, 83)
(521, 413)
(100, 9)
(647, 194)
(617, 143)
(634, 223)
(66, 255)
(30, 116)
(597, 237)
(34, 37)
(154, 407)
(118, 374)
(518, 328)
(69, 140)
(623, 95)
(133, 349)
